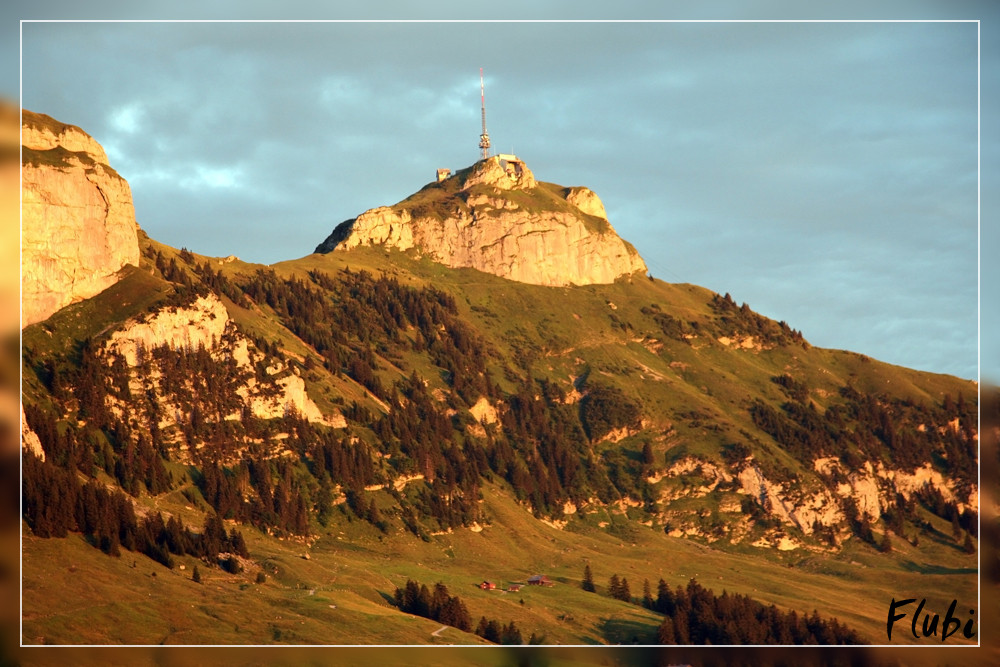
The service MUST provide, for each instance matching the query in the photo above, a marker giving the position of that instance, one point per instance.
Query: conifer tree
(511, 635)
(956, 527)
(489, 630)
(614, 586)
(665, 633)
(664, 598)
(236, 543)
(624, 594)
(439, 599)
(647, 453)
(588, 580)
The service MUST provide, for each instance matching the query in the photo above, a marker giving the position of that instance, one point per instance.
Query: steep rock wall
(506, 225)
(78, 226)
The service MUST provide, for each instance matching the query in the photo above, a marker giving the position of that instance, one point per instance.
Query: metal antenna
(484, 138)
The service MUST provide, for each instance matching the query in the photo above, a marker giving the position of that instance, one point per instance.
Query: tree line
(441, 606)
(732, 320)
(55, 504)
(696, 615)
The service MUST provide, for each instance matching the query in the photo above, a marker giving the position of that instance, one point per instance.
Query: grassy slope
(562, 332)
(356, 571)
(565, 332)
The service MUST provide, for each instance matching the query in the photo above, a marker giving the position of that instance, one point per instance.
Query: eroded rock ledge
(501, 221)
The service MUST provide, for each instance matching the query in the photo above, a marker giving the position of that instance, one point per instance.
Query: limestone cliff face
(78, 226)
(205, 323)
(500, 220)
(29, 439)
(200, 324)
(872, 488)
(800, 503)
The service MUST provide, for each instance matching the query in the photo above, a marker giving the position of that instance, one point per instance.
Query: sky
(826, 173)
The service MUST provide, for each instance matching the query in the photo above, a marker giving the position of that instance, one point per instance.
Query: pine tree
(682, 632)
(614, 586)
(489, 630)
(236, 543)
(324, 498)
(588, 580)
(665, 633)
(885, 546)
(439, 601)
(457, 614)
(956, 527)
(647, 595)
(422, 605)
(664, 598)
(647, 453)
(624, 594)
(196, 575)
(511, 635)
(372, 515)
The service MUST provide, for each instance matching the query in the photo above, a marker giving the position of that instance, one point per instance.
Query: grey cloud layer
(824, 173)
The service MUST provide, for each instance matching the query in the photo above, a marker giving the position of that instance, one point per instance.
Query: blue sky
(825, 173)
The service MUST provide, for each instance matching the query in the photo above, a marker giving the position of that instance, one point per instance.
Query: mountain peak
(504, 172)
(495, 217)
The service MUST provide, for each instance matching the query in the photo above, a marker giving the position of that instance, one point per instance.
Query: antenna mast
(484, 138)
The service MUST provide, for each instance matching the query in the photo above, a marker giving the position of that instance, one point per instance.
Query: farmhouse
(540, 580)
(488, 585)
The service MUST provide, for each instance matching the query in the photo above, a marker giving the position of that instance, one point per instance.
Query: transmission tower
(484, 138)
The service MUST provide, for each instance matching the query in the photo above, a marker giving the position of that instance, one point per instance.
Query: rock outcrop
(205, 323)
(29, 439)
(498, 219)
(484, 412)
(79, 226)
(288, 396)
(801, 503)
(199, 324)
(872, 488)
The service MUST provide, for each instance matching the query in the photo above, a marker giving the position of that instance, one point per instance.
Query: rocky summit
(496, 218)
(78, 222)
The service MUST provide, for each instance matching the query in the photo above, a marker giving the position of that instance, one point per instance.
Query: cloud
(126, 118)
(212, 177)
(775, 161)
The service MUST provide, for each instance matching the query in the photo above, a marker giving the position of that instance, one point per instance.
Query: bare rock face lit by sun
(79, 225)
(496, 218)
